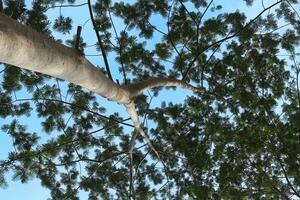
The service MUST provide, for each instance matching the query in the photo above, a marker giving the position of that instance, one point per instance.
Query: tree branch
(120, 48)
(287, 178)
(88, 160)
(99, 41)
(42, 151)
(3, 70)
(137, 88)
(68, 195)
(297, 13)
(71, 193)
(71, 104)
(67, 6)
(200, 20)
(62, 62)
(297, 80)
(44, 55)
(198, 25)
(138, 128)
(169, 38)
(131, 185)
(78, 33)
(188, 12)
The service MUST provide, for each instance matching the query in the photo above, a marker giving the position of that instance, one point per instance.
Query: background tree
(237, 136)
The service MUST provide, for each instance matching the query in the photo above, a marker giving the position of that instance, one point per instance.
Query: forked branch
(57, 60)
(138, 128)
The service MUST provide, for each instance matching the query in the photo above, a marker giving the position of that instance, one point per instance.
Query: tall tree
(237, 136)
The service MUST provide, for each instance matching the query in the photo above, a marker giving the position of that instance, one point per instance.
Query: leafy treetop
(239, 139)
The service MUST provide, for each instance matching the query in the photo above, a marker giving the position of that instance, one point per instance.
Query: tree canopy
(235, 136)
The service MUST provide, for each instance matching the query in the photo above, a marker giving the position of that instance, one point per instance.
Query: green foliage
(6, 103)
(63, 24)
(1, 6)
(239, 139)
(162, 51)
(14, 9)
(36, 17)
(11, 79)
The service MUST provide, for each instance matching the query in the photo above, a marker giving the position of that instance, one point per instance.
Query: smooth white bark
(139, 87)
(23, 47)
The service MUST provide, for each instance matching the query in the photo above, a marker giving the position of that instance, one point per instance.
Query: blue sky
(33, 190)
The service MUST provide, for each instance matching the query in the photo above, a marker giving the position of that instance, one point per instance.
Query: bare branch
(205, 12)
(3, 70)
(89, 160)
(287, 178)
(134, 117)
(67, 6)
(276, 29)
(168, 25)
(155, 28)
(138, 128)
(99, 41)
(131, 186)
(120, 48)
(198, 25)
(188, 12)
(79, 28)
(139, 87)
(297, 80)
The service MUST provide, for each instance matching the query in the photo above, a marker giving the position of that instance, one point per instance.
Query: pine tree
(236, 136)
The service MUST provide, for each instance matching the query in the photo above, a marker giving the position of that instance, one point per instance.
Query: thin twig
(120, 47)
(71, 104)
(224, 39)
(131, 186)
(276, 29)
(3, 70)
(155, 28)
(40, 152)
(297, 80)
(66, 198)
(99, 40)
(287, 178)
(168, 36)
(263, 4)
(92, 174)
(59, 90)
(198, 25)
(188, 12)
(293, 8)
(93, 55)
(66, 6)
(88, 160)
